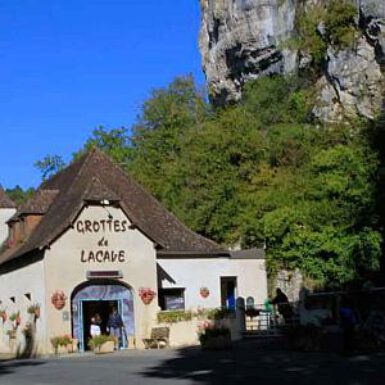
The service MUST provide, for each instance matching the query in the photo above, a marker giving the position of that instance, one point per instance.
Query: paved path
(246, 364)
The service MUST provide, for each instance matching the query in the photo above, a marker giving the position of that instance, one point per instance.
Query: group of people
(115, 325)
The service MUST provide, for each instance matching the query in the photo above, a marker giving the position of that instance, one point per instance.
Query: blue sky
(68, 66)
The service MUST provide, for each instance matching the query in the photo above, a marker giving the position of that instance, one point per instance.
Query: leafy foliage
(321, 25)
(259, 173)
(97, 341)
(50, 165)
(18, 195)
(174, 316)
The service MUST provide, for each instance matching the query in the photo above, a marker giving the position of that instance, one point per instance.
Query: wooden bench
(158, 335)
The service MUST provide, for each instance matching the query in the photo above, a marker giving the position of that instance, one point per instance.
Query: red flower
(204, 292)
(147, 295)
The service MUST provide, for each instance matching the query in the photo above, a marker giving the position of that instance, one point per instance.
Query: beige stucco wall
(17, 284)
(65, 267)
(192, 274)
(5, 215)
(65, 270)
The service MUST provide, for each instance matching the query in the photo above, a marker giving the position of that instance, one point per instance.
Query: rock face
(239, 41)
(246, 39)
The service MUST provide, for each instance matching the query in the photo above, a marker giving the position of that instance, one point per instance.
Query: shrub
(174, 316)
(213, 332)
(340, 24)
(219, 314)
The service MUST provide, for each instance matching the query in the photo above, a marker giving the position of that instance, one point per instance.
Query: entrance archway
(99, 297)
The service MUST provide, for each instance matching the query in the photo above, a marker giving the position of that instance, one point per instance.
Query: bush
(174, 316)
(219, 314)
(213, 332)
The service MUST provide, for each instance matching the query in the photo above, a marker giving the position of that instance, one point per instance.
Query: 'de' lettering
(102, 256)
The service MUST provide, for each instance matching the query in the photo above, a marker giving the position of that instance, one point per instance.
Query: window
(171, 299)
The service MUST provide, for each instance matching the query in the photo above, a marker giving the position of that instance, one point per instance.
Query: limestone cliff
(245, 39)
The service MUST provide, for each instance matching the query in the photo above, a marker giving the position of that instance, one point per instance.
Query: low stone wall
(185, 333)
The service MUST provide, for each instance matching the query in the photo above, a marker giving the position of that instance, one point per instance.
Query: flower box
(34, 310)
(103, 344)
(62, 349)
(107, 347)
(62, 344)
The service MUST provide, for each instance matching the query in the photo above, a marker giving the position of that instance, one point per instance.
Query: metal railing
(265, 320)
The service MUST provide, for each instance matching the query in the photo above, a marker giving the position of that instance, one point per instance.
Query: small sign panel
(104, 274)
(66, 316)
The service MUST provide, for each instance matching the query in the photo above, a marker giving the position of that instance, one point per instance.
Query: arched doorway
(100, 297)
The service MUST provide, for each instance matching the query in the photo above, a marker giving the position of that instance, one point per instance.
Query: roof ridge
(156, 201)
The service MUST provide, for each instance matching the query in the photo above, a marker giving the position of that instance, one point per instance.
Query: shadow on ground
(10, 366)
(253, 363)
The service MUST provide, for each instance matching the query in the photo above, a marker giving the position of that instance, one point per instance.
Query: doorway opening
(99, 297)
(91, 309)
(228, 292)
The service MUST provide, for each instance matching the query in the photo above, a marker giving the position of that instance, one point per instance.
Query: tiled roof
(94, 177)
(39, 203)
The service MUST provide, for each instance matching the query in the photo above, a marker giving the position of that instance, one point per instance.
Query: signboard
(102, 252)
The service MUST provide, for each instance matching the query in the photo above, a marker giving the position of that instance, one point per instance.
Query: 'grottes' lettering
(101, 226)
(101, 256)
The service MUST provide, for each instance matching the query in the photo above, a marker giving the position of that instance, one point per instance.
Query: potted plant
(214, 337)
(11, 333)
(146, 295)
(15, 317)
(34, 310)
(73, 347)
(3, 315)
(102, 344)
(61, 343)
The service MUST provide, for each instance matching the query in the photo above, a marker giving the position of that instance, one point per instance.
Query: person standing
(115, 325)
(349, 321)
(283, 305)
(94, 328)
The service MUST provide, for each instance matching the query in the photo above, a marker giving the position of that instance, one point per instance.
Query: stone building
(90, 239)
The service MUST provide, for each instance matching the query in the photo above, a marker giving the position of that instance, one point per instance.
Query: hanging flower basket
(3, 315)
(204, 292)
(34, 310)
(146, 295)
(58, 299)
(11, 333)
(15, 317)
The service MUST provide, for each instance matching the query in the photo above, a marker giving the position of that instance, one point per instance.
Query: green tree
(50, 165)
(19, 195)
(115, 142)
